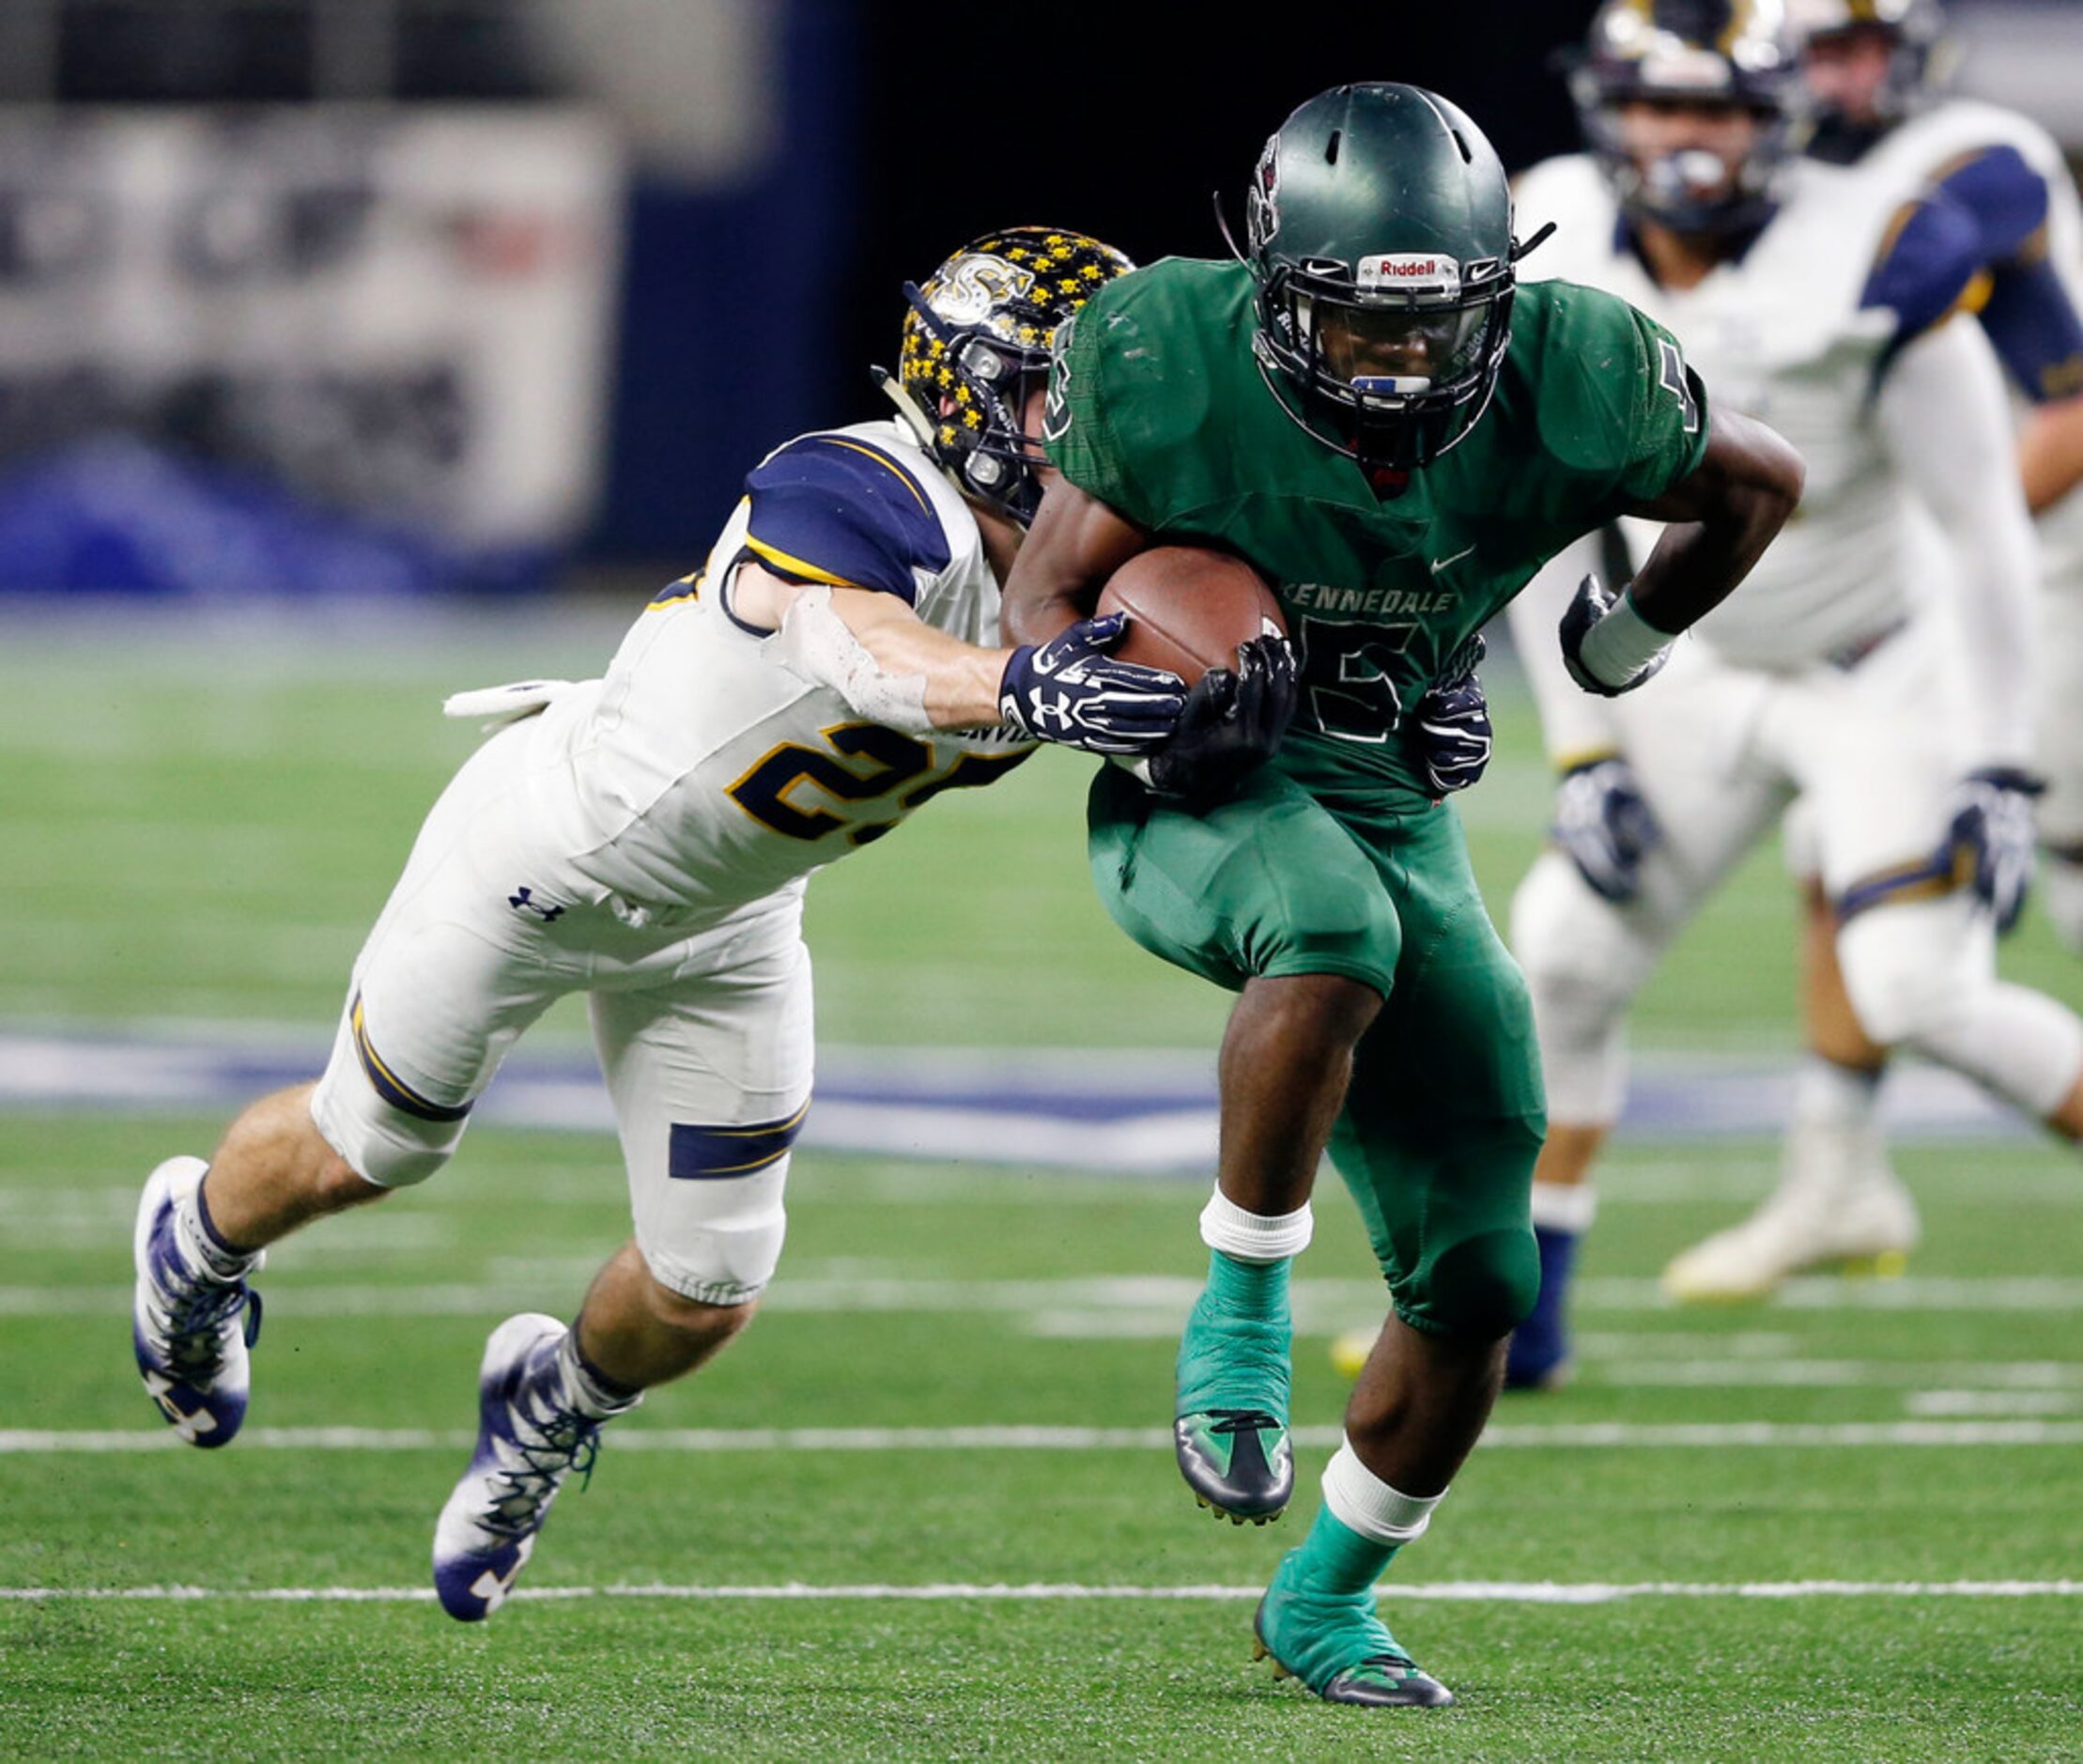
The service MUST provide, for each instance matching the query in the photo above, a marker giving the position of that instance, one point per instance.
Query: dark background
(1122, 120)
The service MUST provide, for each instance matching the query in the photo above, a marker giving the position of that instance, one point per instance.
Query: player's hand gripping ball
(1209, 617)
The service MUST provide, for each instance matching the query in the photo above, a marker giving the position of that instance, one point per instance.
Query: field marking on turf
(1130, 1297)
(1044, 1592)
(1591, 1435)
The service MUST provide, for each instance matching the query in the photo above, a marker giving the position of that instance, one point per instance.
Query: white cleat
(1838, 1205)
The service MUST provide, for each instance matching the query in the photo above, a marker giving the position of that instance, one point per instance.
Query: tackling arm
(887, 661)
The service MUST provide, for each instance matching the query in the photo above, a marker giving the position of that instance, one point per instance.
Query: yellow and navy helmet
(1699, 51)
(975, 342)
(1920, 59)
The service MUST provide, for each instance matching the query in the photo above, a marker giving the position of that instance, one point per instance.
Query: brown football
(1189, 608)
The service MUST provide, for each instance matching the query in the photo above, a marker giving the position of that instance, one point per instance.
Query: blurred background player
(1371, 410)
(1836, 676)
(1874, 71)
(645, 839)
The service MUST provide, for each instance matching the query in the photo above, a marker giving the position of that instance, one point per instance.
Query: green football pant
(1445, 1114)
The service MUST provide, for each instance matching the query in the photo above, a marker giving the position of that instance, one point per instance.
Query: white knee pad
(391, 1140)
(716, 1242)
(1584, 963)
(1924, 976)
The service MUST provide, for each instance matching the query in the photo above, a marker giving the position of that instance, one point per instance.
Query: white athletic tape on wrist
(1254, 1236)
(816, 645)
(1622, 643)
(1360, 1501)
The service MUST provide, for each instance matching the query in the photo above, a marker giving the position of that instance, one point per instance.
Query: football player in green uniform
(1370, 411)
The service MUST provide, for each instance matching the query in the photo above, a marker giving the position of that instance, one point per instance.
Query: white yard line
(1586, 1435)
(1323, 1304)
(1048, 1592)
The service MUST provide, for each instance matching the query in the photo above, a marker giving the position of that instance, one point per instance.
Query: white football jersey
(701, 775)
(1779, 335)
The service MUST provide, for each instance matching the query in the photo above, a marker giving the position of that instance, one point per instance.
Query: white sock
(1361, 1502)
(582, 1389)
(1568, 1207)
(203, 1250)
(1831, 1095)
(1259, 1237)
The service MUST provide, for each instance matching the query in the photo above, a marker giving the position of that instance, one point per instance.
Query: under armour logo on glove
(1453, 725)
(1992, 829)
(1071, 692)
(1605, 826)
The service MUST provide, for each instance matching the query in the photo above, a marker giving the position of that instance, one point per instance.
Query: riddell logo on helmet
(1415, 271)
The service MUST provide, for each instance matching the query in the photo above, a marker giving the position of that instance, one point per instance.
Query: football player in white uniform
(1874, 69)
(644, 838)
(1889, 695)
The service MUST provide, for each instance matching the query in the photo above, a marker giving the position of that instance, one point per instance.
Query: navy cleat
(190, 1323)
(530, 1438)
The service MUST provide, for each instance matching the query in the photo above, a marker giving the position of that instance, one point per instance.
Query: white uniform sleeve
(1946, 421)
(1575, 725)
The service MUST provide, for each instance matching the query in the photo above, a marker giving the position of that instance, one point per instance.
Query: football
(1189, 608)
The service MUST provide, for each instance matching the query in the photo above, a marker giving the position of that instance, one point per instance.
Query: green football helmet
(1378, 231)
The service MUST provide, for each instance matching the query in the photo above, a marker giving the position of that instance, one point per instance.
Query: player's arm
(1945, 422)
(1945, 419)
(932, 680)
(1720, 516)
(1077, 542)
(2027, 309)
(840, 539)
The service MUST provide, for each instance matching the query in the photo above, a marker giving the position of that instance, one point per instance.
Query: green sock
(1334, 1559)
(1234, 1351)
(1256, 1291)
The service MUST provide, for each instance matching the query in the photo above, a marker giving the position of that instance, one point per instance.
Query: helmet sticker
(1262, 201)
(976, 284)
(1410, 272)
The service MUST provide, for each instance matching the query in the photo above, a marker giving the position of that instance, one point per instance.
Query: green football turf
(187, 834)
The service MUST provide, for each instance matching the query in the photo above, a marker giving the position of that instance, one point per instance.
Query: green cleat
(1336, 1645)
(1231, 1432)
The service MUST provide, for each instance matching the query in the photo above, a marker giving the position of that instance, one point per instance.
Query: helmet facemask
(1401, 358)
(976, 348)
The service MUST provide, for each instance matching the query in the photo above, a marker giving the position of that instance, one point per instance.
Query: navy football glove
(1070, 692)
(1605, 826)
(1232, 722)
(1991, 830)
(1452, 721)
(1595, 603)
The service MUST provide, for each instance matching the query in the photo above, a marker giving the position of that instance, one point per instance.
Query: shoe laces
(1243, 1420)
(195, 1315)
(568, 1442)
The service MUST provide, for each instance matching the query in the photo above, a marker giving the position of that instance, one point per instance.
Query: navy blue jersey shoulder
(2031, 317)
(834, 509)
(1927, 266)
(2005, 197)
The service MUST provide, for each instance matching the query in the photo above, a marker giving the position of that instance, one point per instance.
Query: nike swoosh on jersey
(1448, 562)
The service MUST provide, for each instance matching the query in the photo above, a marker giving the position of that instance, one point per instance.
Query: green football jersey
(1158, 407)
